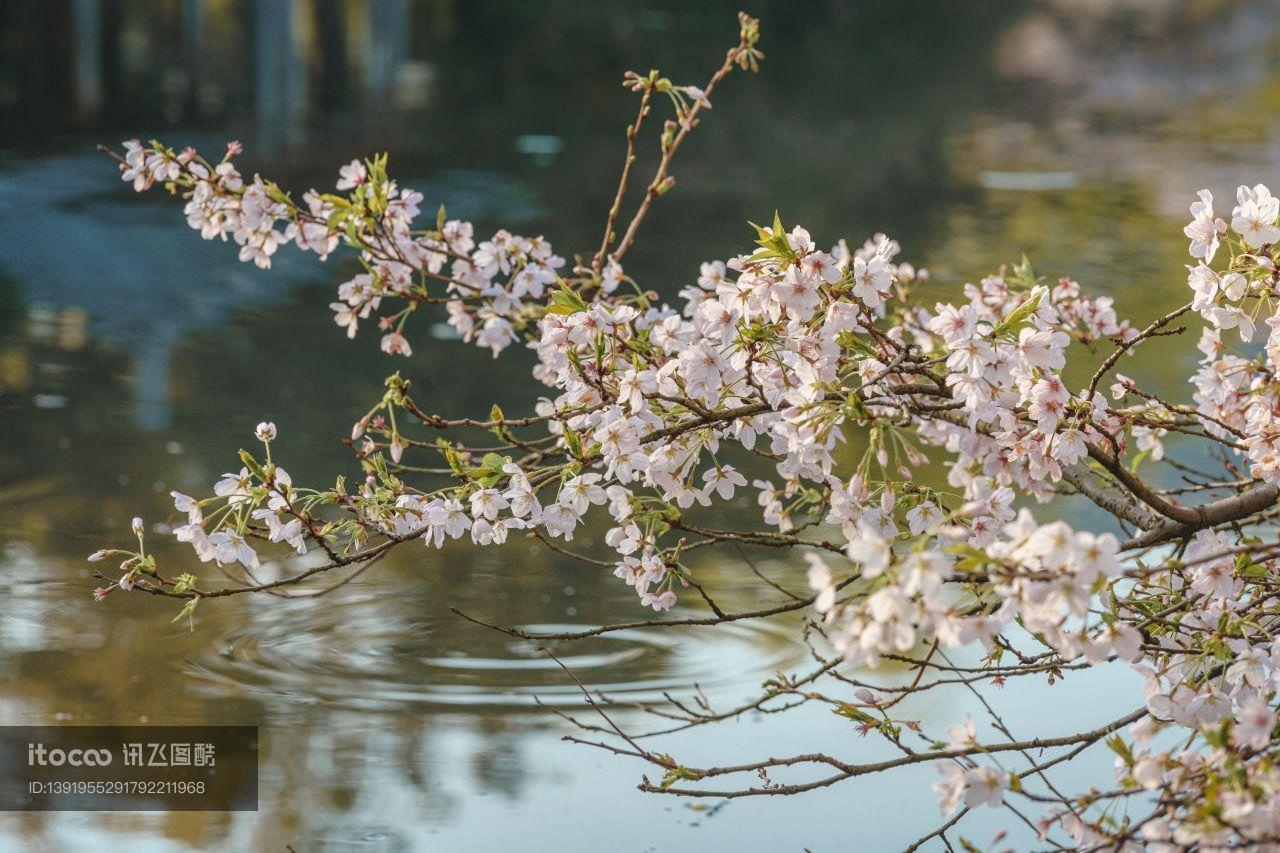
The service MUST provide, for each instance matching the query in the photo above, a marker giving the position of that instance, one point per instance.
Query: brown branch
(632, 130)
(1235, 508)
(1125, 346)
(688, 120)
(789, 607)
(849, 771)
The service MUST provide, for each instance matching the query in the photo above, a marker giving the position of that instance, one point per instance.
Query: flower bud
(266, 431)
(137, 526)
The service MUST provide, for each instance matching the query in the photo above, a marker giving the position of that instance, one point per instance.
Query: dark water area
(135, 358)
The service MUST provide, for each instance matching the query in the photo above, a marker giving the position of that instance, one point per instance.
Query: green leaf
(773, 241)
(189, 611)
(276, 194)
(565, 302)
(574, 441)
(852, 712)
(1022, 313)
(968, 557)
(678, 773)
(856, 407)
(252, 464)
(850, 341)
(1117, 745)
(1023, 272)
(451, 457)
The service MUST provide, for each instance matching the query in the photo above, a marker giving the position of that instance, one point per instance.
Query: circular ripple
(377, 652)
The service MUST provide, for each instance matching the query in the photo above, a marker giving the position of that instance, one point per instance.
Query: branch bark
(1235, 508)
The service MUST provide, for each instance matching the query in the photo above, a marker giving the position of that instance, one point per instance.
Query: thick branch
(1119, 503)
(1235, 508)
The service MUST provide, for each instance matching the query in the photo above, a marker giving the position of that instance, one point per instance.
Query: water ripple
(376, 652)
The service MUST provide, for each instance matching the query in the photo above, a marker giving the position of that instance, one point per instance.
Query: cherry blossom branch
(744, 55)
(849, 389)
(633, 130)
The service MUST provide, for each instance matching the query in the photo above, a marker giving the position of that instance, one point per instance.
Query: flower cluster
(486, 286)
(1238, 391)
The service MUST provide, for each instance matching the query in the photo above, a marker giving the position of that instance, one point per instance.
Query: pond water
(135, 359)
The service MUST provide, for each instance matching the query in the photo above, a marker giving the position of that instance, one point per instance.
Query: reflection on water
(135, 358)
